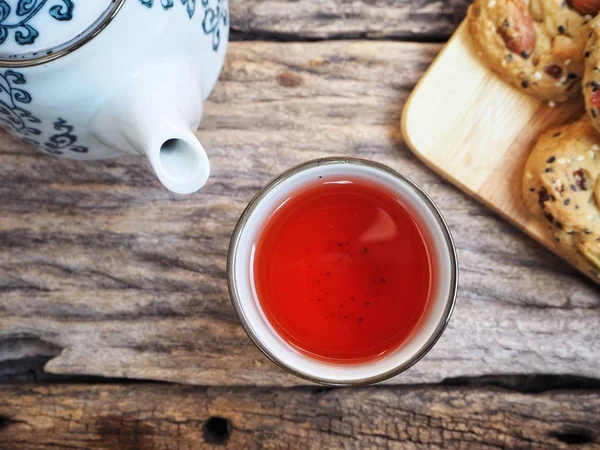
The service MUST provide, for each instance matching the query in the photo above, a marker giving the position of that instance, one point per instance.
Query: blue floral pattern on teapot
(17, 21)
(214, 17)
(16, 117)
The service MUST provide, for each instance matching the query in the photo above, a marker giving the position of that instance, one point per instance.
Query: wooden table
(105, 277)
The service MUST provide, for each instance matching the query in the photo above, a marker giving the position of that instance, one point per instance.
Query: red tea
(343, 272)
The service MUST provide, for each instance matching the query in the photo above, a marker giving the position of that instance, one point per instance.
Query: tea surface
(342, 271)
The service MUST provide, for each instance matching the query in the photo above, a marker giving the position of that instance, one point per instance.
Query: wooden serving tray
(476, 131)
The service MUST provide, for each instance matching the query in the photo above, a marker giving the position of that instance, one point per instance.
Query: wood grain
(104, 272)
(423, 20)
(487, 130)
(148, 416)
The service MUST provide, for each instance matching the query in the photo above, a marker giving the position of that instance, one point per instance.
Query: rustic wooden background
(105, 276)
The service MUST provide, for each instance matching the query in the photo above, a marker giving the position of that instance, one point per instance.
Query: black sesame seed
(506, 23)
(561, 29)
(558, 225)
(567, 201)
(594, 113)
(525, 84)
(524, 54)
(531, 189)
(509, 57)
(548, 169)
(572, 76)
(586, 54)
(551, 160)
(557, 134)
(543, 197)
(573, 188)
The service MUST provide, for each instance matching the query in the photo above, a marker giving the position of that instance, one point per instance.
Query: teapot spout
(155, 114)
(180, 163)
(165, 136)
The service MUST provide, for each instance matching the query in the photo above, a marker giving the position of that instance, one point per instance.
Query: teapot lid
(36, 31)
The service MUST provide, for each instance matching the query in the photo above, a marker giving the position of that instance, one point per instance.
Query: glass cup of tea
(343, 271)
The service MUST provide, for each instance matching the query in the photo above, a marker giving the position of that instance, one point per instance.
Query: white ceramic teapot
(94, 79)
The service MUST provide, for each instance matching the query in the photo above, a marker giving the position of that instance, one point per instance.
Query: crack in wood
(310, 21)
(149, 415)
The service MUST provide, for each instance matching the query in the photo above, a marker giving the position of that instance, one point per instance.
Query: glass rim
(235, 296)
